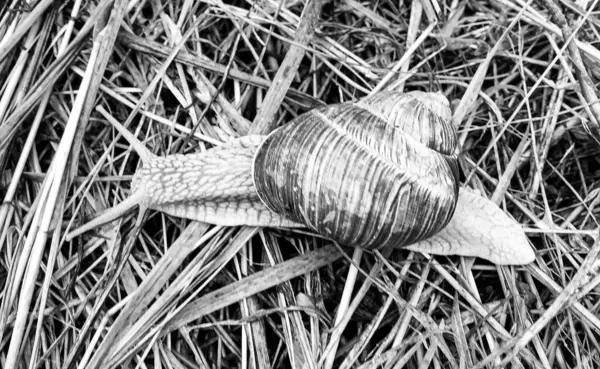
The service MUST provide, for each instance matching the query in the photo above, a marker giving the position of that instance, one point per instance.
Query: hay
(159, 291)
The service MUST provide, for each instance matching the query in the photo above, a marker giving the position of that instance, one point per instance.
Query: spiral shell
(382, 171)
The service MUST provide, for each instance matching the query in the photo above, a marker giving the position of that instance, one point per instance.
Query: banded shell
(382, 171)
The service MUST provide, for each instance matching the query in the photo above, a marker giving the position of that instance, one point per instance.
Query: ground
(164, 292)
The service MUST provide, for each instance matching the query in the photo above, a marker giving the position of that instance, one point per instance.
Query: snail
(378, 172)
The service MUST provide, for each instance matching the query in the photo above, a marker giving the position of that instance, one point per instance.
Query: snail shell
(379, 172)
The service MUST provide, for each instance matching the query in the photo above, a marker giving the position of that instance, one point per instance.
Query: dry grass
(186, 75)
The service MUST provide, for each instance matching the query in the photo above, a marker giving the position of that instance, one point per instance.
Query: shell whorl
(381, 171)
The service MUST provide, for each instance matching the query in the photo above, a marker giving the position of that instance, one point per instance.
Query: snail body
(378, 172)
(214, 187)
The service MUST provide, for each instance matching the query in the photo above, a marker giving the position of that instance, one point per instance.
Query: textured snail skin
(479, 228)
(214, 187)
(380, 172)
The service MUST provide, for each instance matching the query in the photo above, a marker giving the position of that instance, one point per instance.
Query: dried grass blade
(23, 27)
(264, 122)
(147, 46)
(146, 292)
(255, 283)
(344, 311)
(47, 80)
(39, 233)
(470, 96)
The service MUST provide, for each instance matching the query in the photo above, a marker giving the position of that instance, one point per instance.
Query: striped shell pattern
(382, 171)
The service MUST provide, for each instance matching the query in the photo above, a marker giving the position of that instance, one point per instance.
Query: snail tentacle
(213, 187)
(109, 215)
(136, 199)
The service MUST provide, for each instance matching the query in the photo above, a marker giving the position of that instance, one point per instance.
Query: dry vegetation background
(186, 75)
